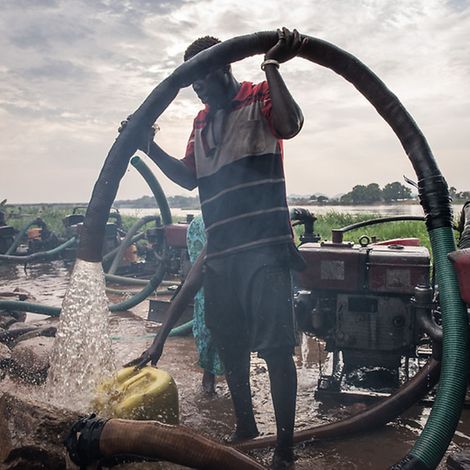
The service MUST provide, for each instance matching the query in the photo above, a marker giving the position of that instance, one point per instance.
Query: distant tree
(322, 199)
(361, 194)
(395, 191)
(358, 194)
(373, 193)
(453, 192)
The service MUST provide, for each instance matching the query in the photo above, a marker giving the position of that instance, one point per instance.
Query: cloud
(72, 70)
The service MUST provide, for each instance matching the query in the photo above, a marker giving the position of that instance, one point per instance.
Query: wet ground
(212, 416)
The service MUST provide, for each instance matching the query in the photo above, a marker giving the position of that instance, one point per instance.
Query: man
(234, 156)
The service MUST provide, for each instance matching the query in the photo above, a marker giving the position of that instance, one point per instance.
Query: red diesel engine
(357, 298)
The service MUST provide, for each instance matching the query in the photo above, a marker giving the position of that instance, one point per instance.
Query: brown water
(213, 416)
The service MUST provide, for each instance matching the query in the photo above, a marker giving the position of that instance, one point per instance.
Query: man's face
(212, 89)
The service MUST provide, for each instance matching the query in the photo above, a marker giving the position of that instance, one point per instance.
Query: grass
(53, 215)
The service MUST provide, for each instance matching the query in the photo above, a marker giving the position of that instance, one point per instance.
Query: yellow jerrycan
(147, 393)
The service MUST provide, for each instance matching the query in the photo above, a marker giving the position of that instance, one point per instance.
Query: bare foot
(240, 436)
(208, 383)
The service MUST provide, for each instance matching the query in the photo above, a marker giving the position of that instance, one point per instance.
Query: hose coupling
(83, 441)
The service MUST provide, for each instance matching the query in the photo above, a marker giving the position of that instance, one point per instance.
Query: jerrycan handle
(137, 378)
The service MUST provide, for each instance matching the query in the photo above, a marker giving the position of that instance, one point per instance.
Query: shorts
(249, 302)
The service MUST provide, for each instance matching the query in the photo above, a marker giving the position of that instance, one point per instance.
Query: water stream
(82, 354)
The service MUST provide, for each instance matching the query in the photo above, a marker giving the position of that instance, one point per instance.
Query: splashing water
(303, 373)
(82, 356)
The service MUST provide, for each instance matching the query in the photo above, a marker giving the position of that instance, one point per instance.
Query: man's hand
(152, 355)
(145, 137)
(287, 47)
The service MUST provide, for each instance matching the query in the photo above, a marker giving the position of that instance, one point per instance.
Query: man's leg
(237, 375)
(208, 383)
(273, 336)
(283, 378)
(225, 320)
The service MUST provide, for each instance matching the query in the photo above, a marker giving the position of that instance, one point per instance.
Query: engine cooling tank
(148, 394)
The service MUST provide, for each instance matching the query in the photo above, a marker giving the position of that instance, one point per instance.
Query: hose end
(83, 441)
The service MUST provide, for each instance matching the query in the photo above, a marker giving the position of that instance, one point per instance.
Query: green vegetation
(18, 216)
(51, 214)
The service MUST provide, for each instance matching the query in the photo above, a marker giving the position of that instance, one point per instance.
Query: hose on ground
(127, 304)
(91, 440)
(40, 255)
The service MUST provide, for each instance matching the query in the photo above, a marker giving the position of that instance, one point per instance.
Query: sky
(71, 70)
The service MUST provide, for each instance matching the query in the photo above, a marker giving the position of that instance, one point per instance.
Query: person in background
(209, 359)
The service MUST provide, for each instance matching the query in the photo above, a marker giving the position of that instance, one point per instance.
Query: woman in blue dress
(209, 359)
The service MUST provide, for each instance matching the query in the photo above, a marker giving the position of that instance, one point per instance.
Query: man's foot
(283, 459)
(208, 383)
(240, 436)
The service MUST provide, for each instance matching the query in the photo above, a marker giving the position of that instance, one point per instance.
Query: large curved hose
(40, 255)
(437, 434)
(433, 191)
(91, 440)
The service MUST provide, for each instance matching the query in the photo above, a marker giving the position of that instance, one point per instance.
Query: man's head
(214, 88)
(199, 45)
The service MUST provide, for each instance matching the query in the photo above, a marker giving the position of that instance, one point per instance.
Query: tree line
(360, 194)
(373, 193)
(182, 202)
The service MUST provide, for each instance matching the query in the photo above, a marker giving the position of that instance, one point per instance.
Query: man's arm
(287, 118)
(175, 169)
(189, 289)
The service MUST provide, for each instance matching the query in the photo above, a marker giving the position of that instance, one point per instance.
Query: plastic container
(147, 394)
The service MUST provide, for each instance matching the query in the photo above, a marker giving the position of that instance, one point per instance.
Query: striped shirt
(238, 162)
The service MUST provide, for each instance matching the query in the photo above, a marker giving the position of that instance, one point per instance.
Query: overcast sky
(72, 70)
